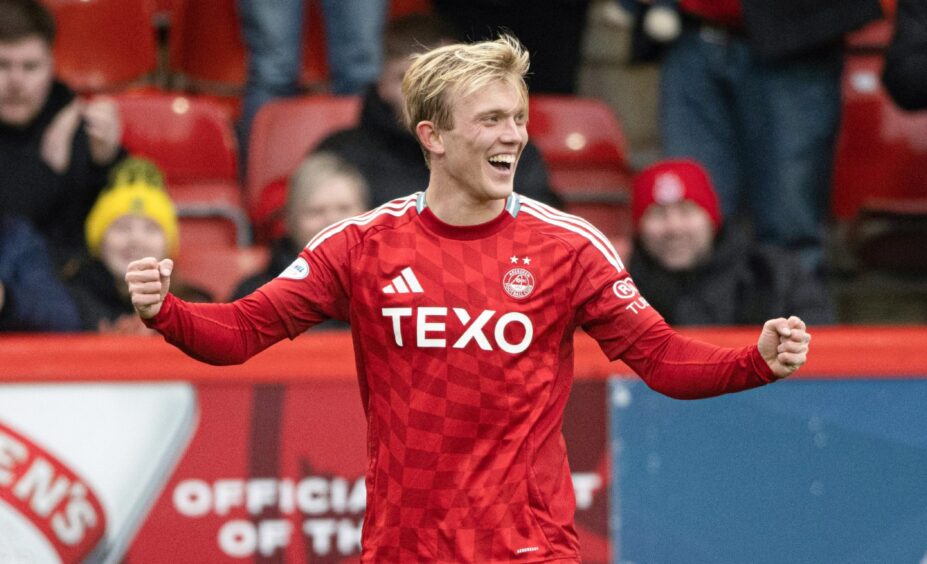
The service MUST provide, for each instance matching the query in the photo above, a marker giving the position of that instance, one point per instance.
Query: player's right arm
(227, 333)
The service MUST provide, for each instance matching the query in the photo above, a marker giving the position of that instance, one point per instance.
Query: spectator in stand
(272, 32)
(905, 74)
(133, 217)
(324, 189)
(696, 272)
(31, 296)
(751, 89)
(384, 150)
(552, 30)
(55, 149)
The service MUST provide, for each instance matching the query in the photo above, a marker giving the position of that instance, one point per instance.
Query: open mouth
(502, 162)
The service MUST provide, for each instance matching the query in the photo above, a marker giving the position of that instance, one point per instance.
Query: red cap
(671, 181)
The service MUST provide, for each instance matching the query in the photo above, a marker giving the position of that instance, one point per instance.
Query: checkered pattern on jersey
(456, 430)
(464, 351)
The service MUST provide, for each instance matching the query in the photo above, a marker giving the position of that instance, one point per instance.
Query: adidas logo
(405, 283)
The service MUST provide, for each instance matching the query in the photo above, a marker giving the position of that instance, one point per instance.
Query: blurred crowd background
(742, 171)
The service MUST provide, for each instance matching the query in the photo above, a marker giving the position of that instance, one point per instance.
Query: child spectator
(133, 218)
(323, 190)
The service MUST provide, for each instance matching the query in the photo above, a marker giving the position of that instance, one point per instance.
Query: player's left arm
(612, 311)
(685, 368)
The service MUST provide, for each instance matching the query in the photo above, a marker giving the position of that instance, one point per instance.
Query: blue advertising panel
(804, 471)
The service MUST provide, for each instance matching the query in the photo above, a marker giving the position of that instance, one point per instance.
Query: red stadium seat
(219, 268)
(585, 149)
(881, 150)
(285, 130)
(399, 8)
(192, 141)
(206, 45)
(208, 54)
(889, 7)
(203, 224)
(873, 37)
(207, 50)
(582, 136)
(190, 138)
(103, 45)
(267, 215)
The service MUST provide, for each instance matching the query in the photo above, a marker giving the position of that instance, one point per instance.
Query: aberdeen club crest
(518, 283)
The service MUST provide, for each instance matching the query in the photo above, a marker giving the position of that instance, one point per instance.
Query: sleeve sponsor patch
(298, 270)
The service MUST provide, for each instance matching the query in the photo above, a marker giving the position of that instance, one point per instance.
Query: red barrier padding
(844, 352)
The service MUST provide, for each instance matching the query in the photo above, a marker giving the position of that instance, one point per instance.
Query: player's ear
(429, 137)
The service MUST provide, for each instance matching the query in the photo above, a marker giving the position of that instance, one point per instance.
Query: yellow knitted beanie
(136, 187)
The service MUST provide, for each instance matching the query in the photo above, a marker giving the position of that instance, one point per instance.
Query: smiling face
(678, 235)
(26, 76)
(129, 238)
(478, 155)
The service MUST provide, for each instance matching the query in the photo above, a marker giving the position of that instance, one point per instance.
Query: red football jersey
(464, 352)
(464, 349)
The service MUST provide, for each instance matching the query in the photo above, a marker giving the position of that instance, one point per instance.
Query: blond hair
(463, 69)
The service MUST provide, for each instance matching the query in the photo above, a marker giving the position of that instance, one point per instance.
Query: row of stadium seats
(191, 138)
(881, 153)
(105, 45)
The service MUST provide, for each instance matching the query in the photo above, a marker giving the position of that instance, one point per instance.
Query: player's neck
(454, 206)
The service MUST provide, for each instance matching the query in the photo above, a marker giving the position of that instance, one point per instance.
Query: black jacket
(99, 298)
(282, 253)
(780, 29)
(905, 74)
(34, 299)
(739, 285)
(391, 159)
(56, 204)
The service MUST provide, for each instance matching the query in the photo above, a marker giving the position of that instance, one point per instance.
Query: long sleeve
(684, 368)
(220, 334)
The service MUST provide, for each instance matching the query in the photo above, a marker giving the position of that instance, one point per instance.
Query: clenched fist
(783, 344)
(149, 281)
